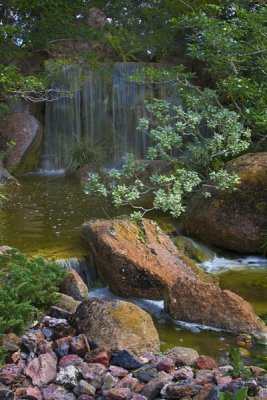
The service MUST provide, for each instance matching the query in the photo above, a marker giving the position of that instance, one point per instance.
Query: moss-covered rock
(117, 324)
(233, 220)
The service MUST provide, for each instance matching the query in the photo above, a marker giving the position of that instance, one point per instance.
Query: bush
(26, 286)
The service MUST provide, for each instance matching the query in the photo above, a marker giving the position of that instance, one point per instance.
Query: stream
(43, 216)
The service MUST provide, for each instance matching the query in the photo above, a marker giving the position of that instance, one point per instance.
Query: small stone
(9, 373)
(118, 394)
(152, 389)
(126, 359)
(206, 362)
(11, 342)
(138, 397)
(54, 322)
(74, 286)
(118, 372)
(57, 312)
(62, 350)
(93, 373)
(204, 376)
(14, 358)
(28, 346)
(84, 387)
(146, 373)
(177, 391)
(48, 333)
(184, 373)
(70, 359)
(262, 394)
(109, 381)
(5, 392)
(54, 392)
(99, 355)
(182, 355)
(166, 365)
(31, 394)
(257, 371)
(223, 380)
(67, 377)
(130, 383)
(79, 345)
(42, 370)
(86, 397)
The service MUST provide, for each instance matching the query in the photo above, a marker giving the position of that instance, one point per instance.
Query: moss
(128, 317)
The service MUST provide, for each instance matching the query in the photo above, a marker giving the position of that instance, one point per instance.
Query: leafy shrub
(26, 285)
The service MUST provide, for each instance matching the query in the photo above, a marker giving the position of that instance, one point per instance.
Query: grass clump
(26, 286)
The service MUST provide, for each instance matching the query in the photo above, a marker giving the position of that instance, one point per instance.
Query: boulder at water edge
(138, 261)
(142, 261)
(24, 131)
(193, 300)
(233, 220)
(117, 324)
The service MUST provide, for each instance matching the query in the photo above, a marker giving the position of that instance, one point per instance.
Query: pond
(43, 217)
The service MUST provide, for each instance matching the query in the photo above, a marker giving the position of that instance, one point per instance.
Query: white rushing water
(219, 265)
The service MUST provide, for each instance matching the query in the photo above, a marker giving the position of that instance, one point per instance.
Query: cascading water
(99, 112)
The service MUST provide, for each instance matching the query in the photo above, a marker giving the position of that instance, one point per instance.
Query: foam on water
(219, 265)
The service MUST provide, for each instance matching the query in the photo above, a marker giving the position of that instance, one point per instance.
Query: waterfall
(99, 112)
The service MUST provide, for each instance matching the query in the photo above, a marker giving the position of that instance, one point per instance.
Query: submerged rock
(127, 326)
(233, 220)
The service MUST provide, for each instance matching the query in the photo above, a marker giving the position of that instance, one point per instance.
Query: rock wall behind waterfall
(99, 112)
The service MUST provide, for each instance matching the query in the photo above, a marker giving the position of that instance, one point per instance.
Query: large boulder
(193, 300)
(141, 261)
(117, 324)
(24, 133)
(135, 260)
(233, 220)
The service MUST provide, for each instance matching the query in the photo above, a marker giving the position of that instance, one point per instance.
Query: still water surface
(43, 217)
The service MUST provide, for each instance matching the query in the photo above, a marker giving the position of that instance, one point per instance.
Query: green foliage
(238, 365)
(81, 153)
(231, 40)
(241, 394)
(26, 285)
(176, 136)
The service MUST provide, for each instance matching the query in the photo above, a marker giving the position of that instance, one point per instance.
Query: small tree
(176, 135)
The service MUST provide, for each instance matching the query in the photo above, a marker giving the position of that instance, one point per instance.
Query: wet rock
(42, 370)
(74, 286)
(182, 355)
(139, 261)
(205, 362)
(67, 303)
(54, 392)
(118, 394)
(9, 373)
(126, 359)
(25, 131)
(127, 326)
(179, 390)
(67, 377)
(201, 302)
(223, 380)
(79, 345)
(146, 373)
(70, 359)
(99, 355)
(233, 220)
(152, 389)
(84, 387)
(93, 373)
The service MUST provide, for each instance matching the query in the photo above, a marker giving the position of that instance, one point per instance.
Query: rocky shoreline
(54, 361)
